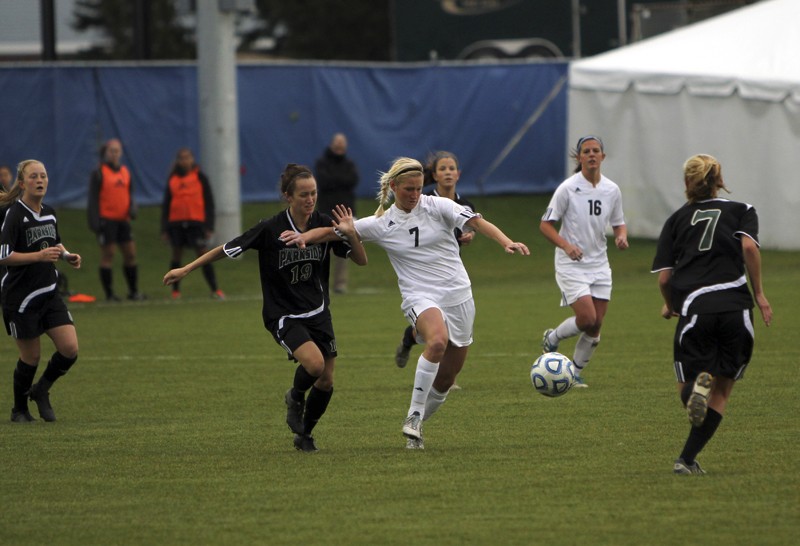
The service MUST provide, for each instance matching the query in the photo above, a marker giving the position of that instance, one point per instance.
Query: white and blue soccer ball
(552, 374)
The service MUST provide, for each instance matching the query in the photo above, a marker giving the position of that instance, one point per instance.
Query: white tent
(728, 86)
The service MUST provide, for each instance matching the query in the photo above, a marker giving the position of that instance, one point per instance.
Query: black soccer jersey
(28, 286)
(701, 243)
(460, 200)
(294, 281)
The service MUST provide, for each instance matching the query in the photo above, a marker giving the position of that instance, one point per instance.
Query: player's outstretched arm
(752, 262)
(495, 233)
(316, 235)
(550, 233)
(212, 255)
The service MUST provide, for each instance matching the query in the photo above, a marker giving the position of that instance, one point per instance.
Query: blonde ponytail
(401, 167)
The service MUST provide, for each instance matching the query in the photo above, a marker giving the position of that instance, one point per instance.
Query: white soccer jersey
(422, 249)
(584, 211)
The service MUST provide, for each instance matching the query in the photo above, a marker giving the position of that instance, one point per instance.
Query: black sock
(210, 276)
(174, 264)
(302, 382)
(132, 277)
(699, 436)
(105, 280)
(58, 366)
(408, 338)
(316, 405)
(686, 392)
(23, 379)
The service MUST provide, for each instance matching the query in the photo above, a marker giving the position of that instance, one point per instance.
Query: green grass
(171, 425)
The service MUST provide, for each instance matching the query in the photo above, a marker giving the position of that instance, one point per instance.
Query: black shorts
(111, 232)
(718, 343)
(186, 234)
(291, 333)
(36, 321)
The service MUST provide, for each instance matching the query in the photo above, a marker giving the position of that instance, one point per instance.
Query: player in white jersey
(417, 234)
(585, 204)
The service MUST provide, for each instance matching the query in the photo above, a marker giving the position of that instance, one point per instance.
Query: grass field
(171, 425)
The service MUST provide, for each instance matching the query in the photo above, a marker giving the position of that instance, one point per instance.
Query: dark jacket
(337, 179)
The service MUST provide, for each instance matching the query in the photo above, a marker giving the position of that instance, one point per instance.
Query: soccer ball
(552, 374)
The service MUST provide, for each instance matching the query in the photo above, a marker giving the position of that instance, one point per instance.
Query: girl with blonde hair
(416, 231)
(29, 247)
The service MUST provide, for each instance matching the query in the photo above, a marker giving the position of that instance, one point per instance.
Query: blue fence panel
(287, 113)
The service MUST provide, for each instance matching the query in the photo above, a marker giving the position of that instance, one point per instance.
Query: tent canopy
(751, 50)
(728, 86)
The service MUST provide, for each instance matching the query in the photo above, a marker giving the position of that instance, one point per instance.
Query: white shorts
(458, 319)
(576, 284)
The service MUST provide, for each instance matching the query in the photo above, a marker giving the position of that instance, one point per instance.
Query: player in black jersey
(29, 246)
(705, 250)
(442, 172)
(294, 283)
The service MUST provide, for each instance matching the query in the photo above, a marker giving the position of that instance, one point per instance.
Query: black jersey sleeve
(749, 224)
(252, 238)
(665, 254)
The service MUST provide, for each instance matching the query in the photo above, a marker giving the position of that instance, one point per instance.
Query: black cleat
(23, 416)
(305, 443)
(294, 414)
(41, 396)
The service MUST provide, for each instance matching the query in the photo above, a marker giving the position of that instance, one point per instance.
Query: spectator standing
(187, 216)
(111, 208)
(337, 180)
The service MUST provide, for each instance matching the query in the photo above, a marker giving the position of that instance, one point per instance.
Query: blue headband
(584, 139)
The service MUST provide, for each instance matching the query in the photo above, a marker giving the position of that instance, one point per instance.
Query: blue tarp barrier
(287, 114)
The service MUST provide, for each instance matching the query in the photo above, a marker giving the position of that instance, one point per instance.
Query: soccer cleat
(412, 426)
(401, 355)
(294, 413)
(579, 383)
(113, 298)
(218, 295)
(305, 443)
(137, 296)
(416, 443)
(697, 406)
(548, 347)
(176, 294)
(41, 396)
(23, 416)
(680, 467)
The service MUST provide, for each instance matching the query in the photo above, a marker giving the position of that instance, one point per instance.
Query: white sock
(584, 349)
(423, 381)
(434, 401)
(566, 329)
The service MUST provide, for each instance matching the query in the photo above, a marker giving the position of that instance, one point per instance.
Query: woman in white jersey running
(585, 204)
(417, 234)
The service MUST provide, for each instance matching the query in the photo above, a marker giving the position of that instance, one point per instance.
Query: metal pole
(218, 115)
(48, 14)
(576, 29)
(622, 22)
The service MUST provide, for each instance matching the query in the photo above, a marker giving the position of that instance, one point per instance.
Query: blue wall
(287, 113)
